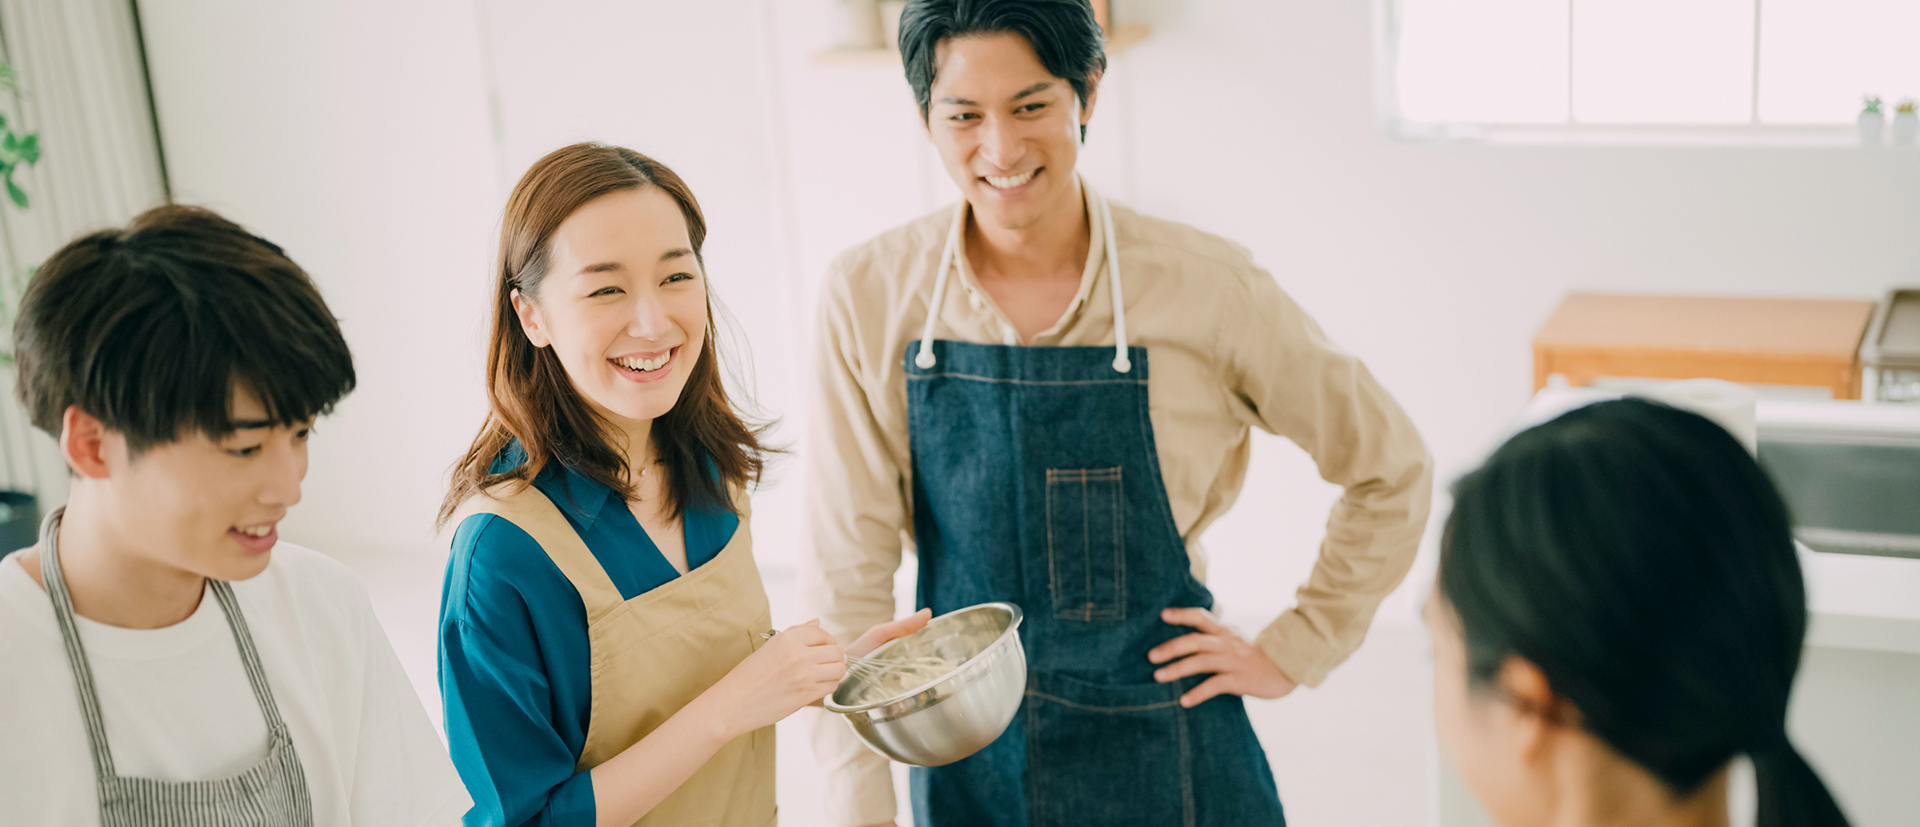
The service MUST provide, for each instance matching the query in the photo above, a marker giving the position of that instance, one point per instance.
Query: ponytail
(1791, 795)
(1641, 558)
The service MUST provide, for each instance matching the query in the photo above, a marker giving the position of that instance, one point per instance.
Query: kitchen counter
(1862, 602)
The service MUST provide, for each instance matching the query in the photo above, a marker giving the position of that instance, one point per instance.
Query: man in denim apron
(1052, 393)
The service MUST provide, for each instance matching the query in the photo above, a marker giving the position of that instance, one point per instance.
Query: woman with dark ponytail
(1619, 614)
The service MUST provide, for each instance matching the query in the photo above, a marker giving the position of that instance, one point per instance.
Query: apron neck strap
(1120, 361)
(1098, 207)
(249, 654)
(926, 360)
(56, 581)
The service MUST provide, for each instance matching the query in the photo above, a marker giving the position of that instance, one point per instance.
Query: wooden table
(1759, 341)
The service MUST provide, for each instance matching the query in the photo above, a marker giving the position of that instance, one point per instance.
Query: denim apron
(1035, 481)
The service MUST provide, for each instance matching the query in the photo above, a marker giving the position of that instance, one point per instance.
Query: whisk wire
(877, 670)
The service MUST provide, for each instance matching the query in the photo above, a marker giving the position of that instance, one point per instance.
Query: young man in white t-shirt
(164, 658)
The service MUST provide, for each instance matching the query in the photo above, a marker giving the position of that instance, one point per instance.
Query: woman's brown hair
(532, 400)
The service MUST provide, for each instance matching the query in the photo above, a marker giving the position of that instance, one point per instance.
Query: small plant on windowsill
(1906, 123)
(1872, 123)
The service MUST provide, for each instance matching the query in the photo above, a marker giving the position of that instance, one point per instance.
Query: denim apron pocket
(1086, 544)
(1116, 755)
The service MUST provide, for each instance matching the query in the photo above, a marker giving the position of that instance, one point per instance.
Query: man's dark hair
(152, 328)
(1063, 33)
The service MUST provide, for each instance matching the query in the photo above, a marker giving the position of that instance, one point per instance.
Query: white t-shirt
(178, 706)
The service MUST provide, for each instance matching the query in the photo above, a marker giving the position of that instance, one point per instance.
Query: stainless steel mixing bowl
(957, 715)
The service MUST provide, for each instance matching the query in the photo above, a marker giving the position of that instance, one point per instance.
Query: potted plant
(1872, 123)
(19, 510)
(1906, 124)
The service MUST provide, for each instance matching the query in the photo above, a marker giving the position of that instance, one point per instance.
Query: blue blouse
(514, 651)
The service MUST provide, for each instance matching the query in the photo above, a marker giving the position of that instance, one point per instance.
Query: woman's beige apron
(653, 654)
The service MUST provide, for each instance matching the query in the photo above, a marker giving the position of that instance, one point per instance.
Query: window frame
(1754, 133)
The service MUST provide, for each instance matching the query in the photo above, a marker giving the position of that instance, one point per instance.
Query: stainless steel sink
(1850, 474)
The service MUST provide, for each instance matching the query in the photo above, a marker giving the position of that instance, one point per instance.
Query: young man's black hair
(152, 328)
(1063, 33)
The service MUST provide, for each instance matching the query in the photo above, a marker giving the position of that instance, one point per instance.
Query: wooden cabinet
(1760, 341)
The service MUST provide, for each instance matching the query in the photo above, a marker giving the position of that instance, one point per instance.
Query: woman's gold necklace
(644, 471)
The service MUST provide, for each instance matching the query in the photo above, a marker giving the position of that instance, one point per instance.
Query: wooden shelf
(1754, 340)
(1125, 36)
(856, 57)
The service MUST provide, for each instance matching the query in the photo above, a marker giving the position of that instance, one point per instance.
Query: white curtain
(83, 87)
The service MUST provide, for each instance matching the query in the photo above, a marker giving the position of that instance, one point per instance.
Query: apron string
(56, 583)
(1120, 361)
(926, 360)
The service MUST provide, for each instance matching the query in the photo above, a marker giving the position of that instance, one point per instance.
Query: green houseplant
(19, 510)
(17, 149)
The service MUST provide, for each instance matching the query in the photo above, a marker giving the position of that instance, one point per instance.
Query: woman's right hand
(797, 667)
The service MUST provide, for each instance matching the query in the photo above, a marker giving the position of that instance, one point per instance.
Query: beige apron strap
(662, 650)
(524, 506)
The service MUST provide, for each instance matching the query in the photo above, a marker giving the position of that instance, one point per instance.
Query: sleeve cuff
(1293, 645)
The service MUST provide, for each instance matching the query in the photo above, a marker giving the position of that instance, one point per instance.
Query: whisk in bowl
(873, 671)
(890, 674)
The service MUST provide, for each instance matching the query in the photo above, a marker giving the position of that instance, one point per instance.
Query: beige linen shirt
(1229, 351)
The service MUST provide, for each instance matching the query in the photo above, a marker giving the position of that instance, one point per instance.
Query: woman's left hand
(1237, 666)
(881, 633)
(889, 630)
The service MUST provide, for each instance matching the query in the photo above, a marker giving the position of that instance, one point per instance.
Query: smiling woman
(598, 239)
(603, 657)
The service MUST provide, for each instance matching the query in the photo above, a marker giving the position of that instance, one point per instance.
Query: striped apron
(271, 792)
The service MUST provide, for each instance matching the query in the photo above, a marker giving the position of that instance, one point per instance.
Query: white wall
(359, 135)
(355, 135)
(1436, 263)
(376, 141)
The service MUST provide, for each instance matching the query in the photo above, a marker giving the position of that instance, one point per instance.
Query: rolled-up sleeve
(1294, 382)
(498, 701)
(856, 513)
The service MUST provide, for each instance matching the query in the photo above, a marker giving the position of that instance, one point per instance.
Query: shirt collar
(577, 495)
(1090, 273)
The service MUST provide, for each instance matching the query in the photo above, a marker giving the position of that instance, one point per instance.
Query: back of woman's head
(1642, 560)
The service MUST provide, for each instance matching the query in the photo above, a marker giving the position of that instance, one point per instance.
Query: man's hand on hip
(1237, 666)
